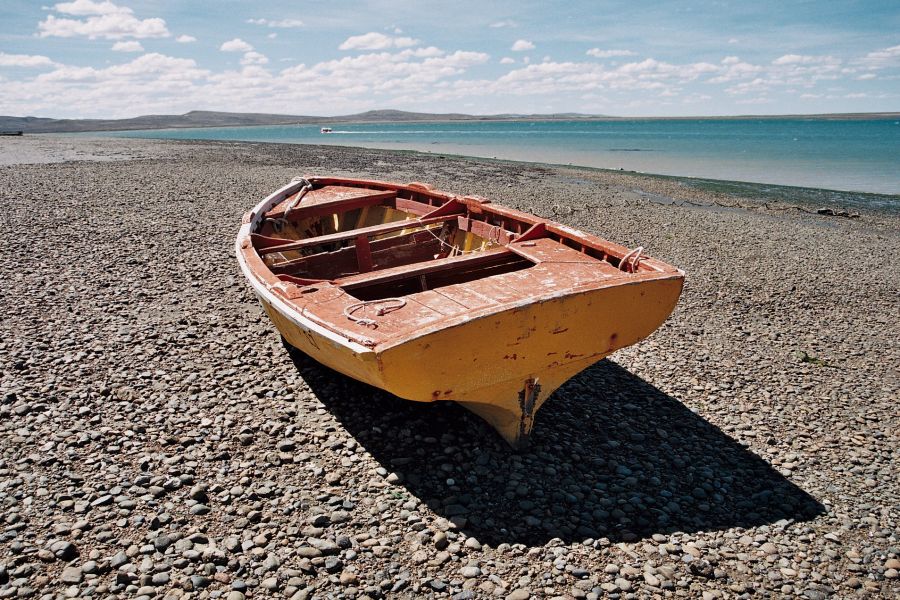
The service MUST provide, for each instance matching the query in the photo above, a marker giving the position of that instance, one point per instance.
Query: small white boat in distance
(325, 130)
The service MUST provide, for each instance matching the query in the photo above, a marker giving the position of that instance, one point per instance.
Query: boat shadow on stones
(623, 464)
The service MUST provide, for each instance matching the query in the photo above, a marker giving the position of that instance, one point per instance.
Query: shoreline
(787, 197)
(314, 120)
(158, 439)
(759, 168)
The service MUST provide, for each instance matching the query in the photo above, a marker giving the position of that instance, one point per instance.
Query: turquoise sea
(861, 155)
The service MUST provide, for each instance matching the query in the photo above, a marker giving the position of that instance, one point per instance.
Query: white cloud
(400, 74)
(866, 76)
(236, 45)
(882, 58)
(757, 84)
(254, 58)
(376, 41)
(185, 39)
(24, 60)
(146, 67)
(131, 46)
(83, 8)
(759, 100)
(500, 24)
(522, 45)
(414, 78)
(272, 35)
(422, 52)
(103, 20)
(733, 68)
(283, 23)
(598, 53)
(799, 59)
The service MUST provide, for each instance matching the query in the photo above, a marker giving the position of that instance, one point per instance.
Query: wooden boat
(432, 296)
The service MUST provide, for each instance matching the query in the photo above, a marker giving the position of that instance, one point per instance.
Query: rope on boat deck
(371, 323)
(278, 224)
(455, 250)
(635, 259)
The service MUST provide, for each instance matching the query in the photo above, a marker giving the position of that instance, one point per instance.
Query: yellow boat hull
(505, 365)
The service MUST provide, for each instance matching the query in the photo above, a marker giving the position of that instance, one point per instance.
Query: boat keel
(511, 413)
(527, 399)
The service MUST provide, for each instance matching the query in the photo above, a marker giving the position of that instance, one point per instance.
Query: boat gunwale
(263, 286)
(264, 282)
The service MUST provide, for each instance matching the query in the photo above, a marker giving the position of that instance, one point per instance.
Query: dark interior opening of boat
(442, 275)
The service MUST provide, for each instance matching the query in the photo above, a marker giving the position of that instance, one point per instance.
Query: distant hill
(202, 118)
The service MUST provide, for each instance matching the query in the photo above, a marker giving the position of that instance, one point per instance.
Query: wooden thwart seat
(389, 275)
(341, 236)
(327, 201)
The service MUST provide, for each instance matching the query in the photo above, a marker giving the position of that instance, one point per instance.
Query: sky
(124, 58)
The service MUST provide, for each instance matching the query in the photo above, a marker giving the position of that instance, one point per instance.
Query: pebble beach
(157, 439)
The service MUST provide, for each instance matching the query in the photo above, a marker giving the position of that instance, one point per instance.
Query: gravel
(158, 440)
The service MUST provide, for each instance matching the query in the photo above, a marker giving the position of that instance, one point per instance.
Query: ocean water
(860, 155)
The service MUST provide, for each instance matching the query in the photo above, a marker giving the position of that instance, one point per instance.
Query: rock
(440, 540)
(200, 509)
(198, 493)
(71, 575)
(339, 516)
(623, 584)
(119, 559)
(271, 563)
(333, 564)
(470, 572)
(349, 578)
(104, 500)
(64, 550)
(162, 542)
(320, 520)
(519, 594)
(90, 567)
(308, 552)
(45, 555)
(769, 548)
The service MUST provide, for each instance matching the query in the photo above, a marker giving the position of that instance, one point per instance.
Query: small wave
(395, 132)
(631, 150)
